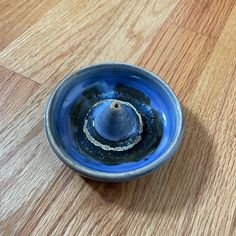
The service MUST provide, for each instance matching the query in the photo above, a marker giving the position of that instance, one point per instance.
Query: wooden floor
(189, 44)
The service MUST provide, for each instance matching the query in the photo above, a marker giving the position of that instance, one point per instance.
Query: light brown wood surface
(189, 44)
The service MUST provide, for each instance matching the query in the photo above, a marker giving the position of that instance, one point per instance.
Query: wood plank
(178, 56)
(25, 174)
(85, 32)
(194, 193)
(214, 102)
(16, 16)
(15, 91)
(207, 17)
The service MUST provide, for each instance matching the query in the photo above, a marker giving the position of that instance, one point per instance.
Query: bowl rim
(120, 176)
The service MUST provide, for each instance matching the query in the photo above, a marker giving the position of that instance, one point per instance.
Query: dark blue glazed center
(118, 124)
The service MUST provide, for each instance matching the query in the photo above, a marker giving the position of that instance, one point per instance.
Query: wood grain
(16, 16)
(192, 46)
(83, 36)
(15, 91)
(178, 56)
(206, 17)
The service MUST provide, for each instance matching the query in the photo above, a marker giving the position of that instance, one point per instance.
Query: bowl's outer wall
(103, 175)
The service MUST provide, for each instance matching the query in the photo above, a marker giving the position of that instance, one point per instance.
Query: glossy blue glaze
(106, 77)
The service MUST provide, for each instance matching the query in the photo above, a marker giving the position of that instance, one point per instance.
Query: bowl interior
(70, 90)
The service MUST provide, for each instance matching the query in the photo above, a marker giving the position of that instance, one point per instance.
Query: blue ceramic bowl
(70, 112)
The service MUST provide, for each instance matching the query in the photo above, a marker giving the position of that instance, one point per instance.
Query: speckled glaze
(114, 122)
